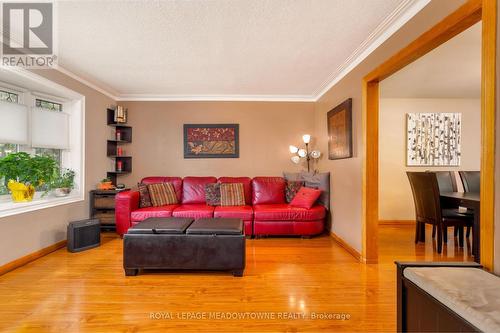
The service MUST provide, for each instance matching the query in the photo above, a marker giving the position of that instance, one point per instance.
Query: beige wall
(346, 181)
(26, 233)
(266, 131)
(395, 197)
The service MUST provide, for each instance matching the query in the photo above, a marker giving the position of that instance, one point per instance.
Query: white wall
(395, 197)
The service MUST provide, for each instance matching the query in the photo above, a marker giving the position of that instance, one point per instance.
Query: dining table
(471, 201)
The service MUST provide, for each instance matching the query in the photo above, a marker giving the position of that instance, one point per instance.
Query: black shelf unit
(102, 207)
(113, 144)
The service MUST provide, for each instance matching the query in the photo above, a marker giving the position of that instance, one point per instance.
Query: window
(7, 148)
(8, 96)
(42, 118)
(56, 154)
(48, 105)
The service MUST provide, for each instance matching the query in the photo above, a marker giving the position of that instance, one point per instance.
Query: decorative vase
(21, 192)
(62, 192)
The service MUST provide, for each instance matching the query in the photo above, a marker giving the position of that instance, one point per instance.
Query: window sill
(9, 208)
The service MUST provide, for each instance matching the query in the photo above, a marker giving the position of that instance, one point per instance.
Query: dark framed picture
(211, 141)
(339, 121)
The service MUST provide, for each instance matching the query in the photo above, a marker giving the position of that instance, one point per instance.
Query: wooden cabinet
(102, 207)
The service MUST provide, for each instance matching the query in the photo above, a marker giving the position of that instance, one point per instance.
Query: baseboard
(31, 257)
(396, 222)
(346, 246)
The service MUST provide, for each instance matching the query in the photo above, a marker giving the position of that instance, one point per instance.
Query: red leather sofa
(265, 211)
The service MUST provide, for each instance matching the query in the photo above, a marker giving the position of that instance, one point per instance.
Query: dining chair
(425, 189)
(471, 180)
(447, 182)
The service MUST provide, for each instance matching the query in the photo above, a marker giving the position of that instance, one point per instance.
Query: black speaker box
(83, 235)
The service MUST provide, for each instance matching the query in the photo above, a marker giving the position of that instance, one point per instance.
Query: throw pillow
(318, 180)
(305, 198)
(232, 194)
(212, 194)
(292, 187)
(144, 198)
(162, 194)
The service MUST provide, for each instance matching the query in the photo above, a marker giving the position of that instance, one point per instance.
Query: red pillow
(305, 198)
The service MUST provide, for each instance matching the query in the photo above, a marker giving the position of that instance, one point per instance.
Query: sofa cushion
(292, 188)
(144, 213)
(301, 228)
(239, 212)
(285, 212)
(247, 185)
(268, 190)
(305, 198)
(320, 181)
(176, 181)
(162, 194)
(193, 189)
(195, 211)
(144, 197)
(232, 194)
(212, 194)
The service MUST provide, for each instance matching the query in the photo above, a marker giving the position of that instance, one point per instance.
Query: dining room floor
(289, 285)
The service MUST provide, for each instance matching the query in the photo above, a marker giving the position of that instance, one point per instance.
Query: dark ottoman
(180, 243)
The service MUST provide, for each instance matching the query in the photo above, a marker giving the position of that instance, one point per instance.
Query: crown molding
(222, 98)
(392, 23)
(112, 95)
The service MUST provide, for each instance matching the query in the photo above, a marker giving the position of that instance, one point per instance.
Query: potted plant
(63, 182)
(105, 184)
(24, 173)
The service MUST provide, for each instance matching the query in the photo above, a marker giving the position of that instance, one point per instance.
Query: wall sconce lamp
(304, 153)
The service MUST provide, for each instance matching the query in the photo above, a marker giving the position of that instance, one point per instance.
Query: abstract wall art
(433, 139)
(211, 141)
(339, 121)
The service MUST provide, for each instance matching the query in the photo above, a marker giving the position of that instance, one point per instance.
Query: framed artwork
(433, 139)
(211, 141)
(339, 121)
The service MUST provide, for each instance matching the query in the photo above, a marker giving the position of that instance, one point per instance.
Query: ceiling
(281, 49)
(453, 70)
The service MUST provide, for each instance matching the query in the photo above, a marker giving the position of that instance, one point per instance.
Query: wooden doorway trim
(463, 18)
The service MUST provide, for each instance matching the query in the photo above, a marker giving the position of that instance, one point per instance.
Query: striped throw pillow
(162, 194)
(232, 194)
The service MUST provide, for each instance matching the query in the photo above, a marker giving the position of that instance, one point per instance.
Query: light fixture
(304, 153)
(293, 149)
(315, 154)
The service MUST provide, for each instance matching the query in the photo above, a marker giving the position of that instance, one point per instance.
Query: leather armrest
(126, 203)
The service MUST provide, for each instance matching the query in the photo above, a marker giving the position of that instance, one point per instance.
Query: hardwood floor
(88, 292)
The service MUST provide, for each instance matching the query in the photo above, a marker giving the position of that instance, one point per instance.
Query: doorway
(438, 93)
(462, 19)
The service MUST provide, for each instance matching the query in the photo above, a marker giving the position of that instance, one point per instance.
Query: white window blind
(49, 129)
(13, 123)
